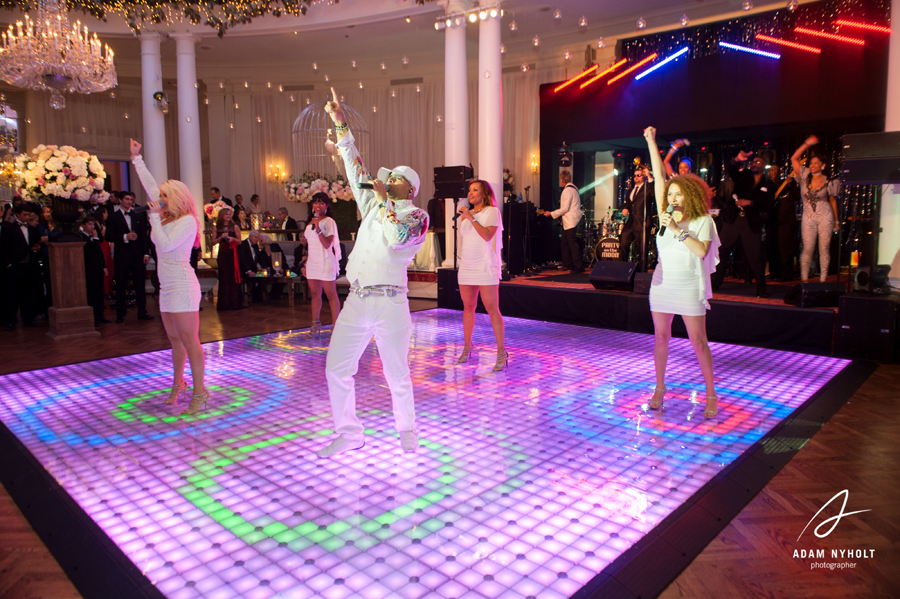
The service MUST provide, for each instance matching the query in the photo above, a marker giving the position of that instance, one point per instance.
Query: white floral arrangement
(64, 172)
(508, 179)
(310, 183)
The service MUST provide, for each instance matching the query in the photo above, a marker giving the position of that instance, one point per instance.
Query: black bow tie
(129, 213)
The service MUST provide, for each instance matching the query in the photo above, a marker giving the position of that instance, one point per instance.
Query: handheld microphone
(456, 216)
(366, 185)
(145, 208)
(669, 209)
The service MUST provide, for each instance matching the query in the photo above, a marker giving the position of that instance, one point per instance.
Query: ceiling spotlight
(502, 48)
(269, 84)
(407, 19)
(641, 23)
(292, 98)
(567, 55)
(536, 41)
(221, 85)
(439, 118)
(601, 43)
(352, 64)
(383, 67)
(557, 15)
(418, 89)
(326, 77)
(448, 22)
(524, 68)
(393, 93)
(582, 22)
(438, 26)
(404, 60)
(685, 20)
(513, 27)
(360, 85)
(281, 88)
(374, 109)
(792, 5)
(315, 67)
(747, 5)
(493, 13)
(473, 17)
(307, 101)
(482, 15)
(246, 84)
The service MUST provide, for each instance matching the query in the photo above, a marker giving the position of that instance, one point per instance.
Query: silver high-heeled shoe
(464, 356)
(198, 402)
(502, 361)
(656, 405)
(314, 330)
(179, 389)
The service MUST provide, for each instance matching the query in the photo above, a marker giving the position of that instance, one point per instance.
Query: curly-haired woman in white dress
(688, 250)
(175, 230)
(479, 266)
(323, 259)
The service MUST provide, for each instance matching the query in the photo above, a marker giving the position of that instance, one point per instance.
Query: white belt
(378, 290)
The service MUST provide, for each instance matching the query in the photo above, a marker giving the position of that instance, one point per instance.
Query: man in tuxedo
(20, 246)
(94, 269)
(130, 234)
(639, 208)
(252, 257)
(217, 195)
(287, 223)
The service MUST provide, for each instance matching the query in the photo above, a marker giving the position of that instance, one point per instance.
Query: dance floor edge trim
(99, 569)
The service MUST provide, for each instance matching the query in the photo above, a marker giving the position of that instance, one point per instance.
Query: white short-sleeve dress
(681, 281)
(322, 263)
(479, 260)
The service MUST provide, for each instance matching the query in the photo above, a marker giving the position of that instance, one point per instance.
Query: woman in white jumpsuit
(820, 212)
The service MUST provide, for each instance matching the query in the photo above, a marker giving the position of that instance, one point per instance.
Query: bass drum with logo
(607, 248)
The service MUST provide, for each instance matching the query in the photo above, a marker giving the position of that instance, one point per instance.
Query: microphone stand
(644, 229)
(529, 265)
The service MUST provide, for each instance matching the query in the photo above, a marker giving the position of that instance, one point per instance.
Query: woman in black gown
(228, 236)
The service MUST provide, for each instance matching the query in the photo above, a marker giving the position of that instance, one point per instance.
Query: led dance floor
(528, 483)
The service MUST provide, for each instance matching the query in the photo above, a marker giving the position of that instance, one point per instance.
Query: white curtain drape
(403, 129)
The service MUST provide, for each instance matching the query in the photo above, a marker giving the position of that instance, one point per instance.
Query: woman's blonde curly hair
(697, 194)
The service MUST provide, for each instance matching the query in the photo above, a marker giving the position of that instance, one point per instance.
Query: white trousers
(816, 225)
(388, 319)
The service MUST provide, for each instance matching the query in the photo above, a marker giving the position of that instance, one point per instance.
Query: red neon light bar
(794, 45)
(576, 78)
(831, 36)
(609, 70)
(640, 64)
(866, 26)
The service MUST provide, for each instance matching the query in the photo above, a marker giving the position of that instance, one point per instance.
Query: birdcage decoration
(310, 132)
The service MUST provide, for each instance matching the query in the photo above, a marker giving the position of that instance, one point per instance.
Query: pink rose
(41, 181)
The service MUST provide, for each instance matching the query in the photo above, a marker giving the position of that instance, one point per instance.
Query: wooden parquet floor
(857, 450)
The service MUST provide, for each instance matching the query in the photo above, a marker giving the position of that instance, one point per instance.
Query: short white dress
(479, 260)
(179, 290)
(322, 263)
(681, 282)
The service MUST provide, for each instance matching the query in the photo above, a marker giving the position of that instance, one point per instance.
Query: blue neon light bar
(750, 50)
(659, 64)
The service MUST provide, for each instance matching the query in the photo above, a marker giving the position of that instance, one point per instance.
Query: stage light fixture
(473, 17)
(750, 50)
(866, 26)
(629, 70)
(786, 43)
(493, 13)
(482, 15)
(831, 36)
(659, 64)
(575, 78)
(609, 70)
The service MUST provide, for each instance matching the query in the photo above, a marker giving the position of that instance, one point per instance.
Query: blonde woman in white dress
(479, 266)
(323, 259)
(175, 231)
(688, 249)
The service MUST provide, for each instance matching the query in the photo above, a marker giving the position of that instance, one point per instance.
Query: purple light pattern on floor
(528, 483)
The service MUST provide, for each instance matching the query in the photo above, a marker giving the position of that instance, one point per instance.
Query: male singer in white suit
(391, 231)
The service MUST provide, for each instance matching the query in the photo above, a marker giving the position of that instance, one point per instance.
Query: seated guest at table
(323, 258)
(238, 201)
(251, 258)
(94, 268)
(300, 256)
(228, 236)
(287, 223)
(271, 248)
(241, 218)
(217, 196)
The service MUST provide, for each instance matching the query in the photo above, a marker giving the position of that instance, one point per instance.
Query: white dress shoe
(340, 445)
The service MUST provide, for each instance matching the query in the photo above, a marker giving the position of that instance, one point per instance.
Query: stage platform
(551, 479)
(736, 315)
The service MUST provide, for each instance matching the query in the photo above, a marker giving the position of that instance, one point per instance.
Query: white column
(154, 142)
(189, 118)
(456, 114)
(490, 106)
(889, 237)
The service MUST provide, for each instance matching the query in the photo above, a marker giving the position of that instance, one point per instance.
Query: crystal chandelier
(48, 55)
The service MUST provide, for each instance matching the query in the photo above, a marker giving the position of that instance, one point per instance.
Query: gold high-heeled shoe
(655, 405)
(711, 413)
(198, 402)
(502, 361)
(179, 389)
(464, 356)
(314, 330)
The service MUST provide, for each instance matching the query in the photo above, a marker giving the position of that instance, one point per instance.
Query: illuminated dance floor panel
(528, 482)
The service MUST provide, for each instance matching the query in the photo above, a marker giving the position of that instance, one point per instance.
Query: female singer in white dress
(323, 260)
(175, 230)
(688, 249)
(479, 266)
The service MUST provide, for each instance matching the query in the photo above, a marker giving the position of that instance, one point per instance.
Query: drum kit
(602, 237)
